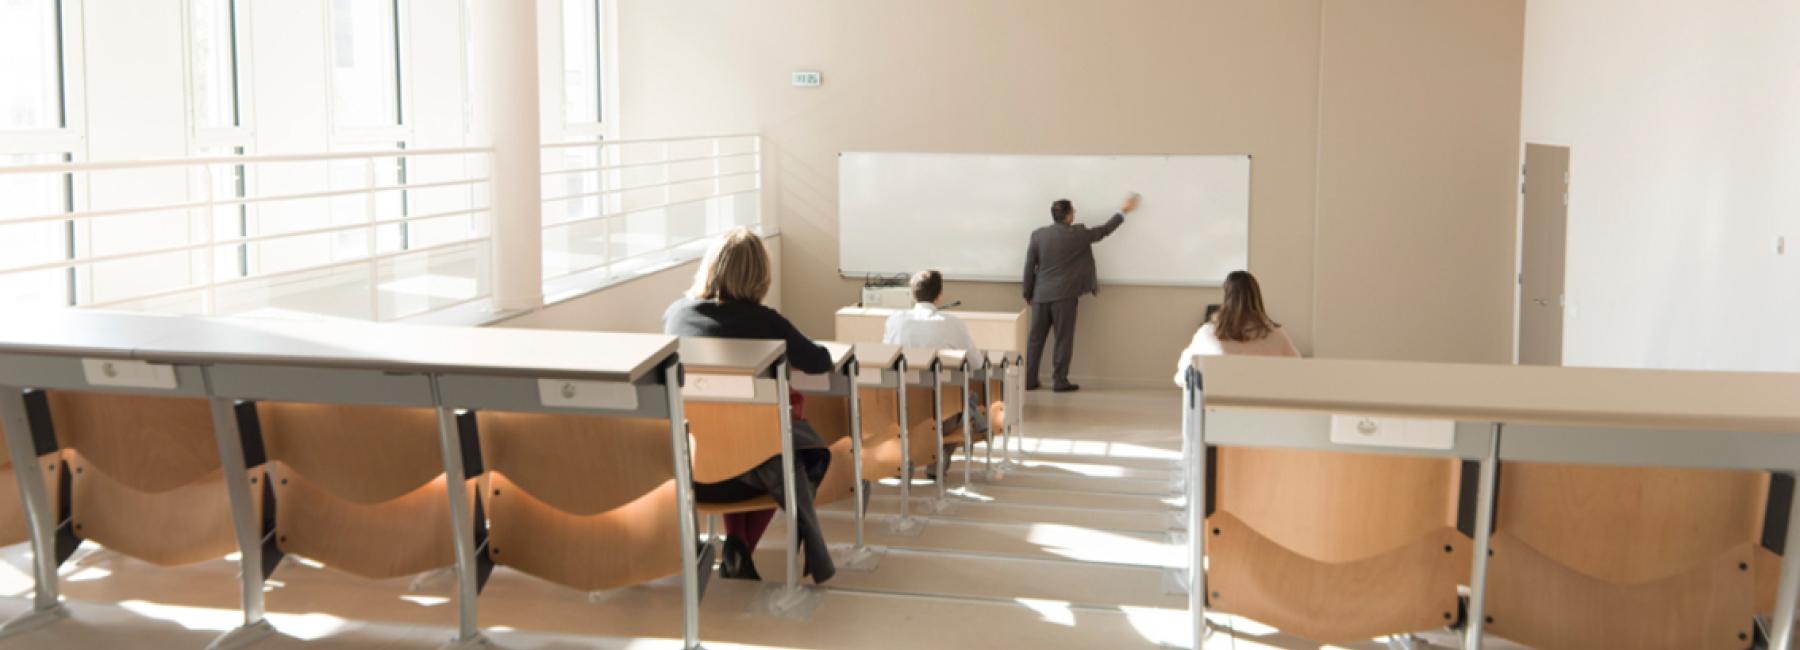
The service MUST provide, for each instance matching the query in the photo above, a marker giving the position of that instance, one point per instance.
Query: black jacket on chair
(1060, 261)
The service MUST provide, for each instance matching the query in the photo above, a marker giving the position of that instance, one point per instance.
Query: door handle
(1541, 302)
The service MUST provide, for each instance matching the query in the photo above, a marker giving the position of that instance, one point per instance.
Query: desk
(841, 382)
(226, 360)
(991, 330)
(1614, 417)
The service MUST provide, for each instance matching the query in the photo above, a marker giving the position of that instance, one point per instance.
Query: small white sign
(719, 386)
(587, 394)
(128, 374)
(1393, 432)
(808, 78)
(809, 383)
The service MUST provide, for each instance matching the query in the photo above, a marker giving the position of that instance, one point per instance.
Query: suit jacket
(1060, 261)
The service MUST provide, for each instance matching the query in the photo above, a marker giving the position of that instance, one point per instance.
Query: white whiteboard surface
(970, 215)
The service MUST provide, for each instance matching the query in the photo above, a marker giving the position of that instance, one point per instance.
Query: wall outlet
(1781, 245)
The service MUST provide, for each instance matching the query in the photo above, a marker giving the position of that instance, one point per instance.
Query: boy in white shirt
(925, 326)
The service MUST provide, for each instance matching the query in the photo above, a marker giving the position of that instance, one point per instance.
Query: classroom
(871, 324)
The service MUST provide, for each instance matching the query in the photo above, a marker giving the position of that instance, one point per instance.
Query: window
(583, 95)
(365, 60)
(214, 63)
(31, 79)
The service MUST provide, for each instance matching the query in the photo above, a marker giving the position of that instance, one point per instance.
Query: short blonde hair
(736, 269)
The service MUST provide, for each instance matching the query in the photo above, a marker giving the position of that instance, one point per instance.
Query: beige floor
(1066, 550)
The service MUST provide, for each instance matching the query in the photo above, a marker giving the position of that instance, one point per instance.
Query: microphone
(952, 305)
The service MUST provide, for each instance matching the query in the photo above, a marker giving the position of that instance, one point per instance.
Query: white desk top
(598, 356)
(918, 358)
(736, 356)
(956, 358)
(877, 355)
(83, 333)
(997, 357)
(841, 353)
(1601, 397)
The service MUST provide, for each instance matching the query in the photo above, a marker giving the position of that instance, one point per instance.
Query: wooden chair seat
(879, 461)
(147, 443)
(361, 454)
(636, 542)
(730, 439)
(1406, 589)
(181, 525)
(1537, 601)
(402, 536)
(1626, 556)
(587, 502)
(1336, 547)
(750, 505)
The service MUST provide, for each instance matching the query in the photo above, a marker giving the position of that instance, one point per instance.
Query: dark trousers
(809, 468)
(1044, 315)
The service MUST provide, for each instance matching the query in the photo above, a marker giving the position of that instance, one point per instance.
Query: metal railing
(380, 235)
(616, 209)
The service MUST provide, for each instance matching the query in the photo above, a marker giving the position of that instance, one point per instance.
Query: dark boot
(735, 562)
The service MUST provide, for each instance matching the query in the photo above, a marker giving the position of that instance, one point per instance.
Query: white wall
(636, 305)
(1683, 122)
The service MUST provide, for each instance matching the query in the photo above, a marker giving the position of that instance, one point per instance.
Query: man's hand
(1131, 203)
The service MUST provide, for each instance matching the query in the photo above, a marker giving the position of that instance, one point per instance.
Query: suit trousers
(1045, 315)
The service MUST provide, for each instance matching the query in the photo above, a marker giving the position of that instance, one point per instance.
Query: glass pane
(366, 71)
(30, 244)
(215, 63)
(30, 84)
(581, 61)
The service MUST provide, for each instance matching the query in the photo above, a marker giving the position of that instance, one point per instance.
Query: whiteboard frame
(1249, 226)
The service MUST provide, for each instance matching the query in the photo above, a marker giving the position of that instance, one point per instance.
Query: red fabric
(796, 405)
(749, 526)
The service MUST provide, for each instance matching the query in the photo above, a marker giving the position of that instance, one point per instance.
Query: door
(1544, 242)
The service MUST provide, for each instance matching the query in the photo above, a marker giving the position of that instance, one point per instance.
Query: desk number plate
(1392, 432)
(587, 394)
(719, 386)
(128, 374)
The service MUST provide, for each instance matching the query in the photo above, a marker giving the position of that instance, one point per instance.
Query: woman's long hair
(1242, 317)
(736, 269)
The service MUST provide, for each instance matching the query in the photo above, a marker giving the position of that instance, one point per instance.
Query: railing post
(506, 108)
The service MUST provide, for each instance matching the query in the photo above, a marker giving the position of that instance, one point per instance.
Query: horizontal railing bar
(626, 258)
(247, 200)
(670, 161)
(75, 167)
(234, 241)
(612, 215)
(614, 143)
(652, 186)
(280, 274)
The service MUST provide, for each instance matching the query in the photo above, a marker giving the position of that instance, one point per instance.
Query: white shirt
(924, 326)
(1206, 342)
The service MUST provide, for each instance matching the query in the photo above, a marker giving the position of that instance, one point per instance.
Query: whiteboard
(970, 215)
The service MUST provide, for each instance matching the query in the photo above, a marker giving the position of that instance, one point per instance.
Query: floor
(1068, 549)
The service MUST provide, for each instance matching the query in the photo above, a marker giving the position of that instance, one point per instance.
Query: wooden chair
(583, 501)
(730, 439)
(1625, 557)
(829, 415)
(1336, 547)
(359, 488)
(145, 475)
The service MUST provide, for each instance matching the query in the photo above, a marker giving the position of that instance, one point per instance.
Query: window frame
(363, 136)
(242, 134)
(605, 126)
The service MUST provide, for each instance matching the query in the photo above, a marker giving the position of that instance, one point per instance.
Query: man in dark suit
(1059, 267)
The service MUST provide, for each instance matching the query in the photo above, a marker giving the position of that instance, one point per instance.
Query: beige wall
(1683, 128)
(1095, 76)
(634, 306)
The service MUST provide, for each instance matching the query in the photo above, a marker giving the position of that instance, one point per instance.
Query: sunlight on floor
(306, 627)
(1065, 446)
(1091, 545)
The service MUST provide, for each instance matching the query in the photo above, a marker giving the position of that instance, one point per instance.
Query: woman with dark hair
(726, 302)
(1241, 326)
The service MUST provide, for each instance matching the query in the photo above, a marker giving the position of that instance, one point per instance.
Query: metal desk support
(20, 444)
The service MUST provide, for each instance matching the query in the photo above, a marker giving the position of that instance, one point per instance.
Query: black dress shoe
(1066, 388)
(735, 562)
(1033, 386)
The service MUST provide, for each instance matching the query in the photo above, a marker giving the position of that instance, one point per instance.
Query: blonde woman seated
(1241, 326)
(726, 302)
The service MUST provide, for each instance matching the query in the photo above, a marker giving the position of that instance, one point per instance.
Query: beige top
(1206, 343)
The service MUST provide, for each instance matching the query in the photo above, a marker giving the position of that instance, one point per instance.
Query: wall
(635, 305)
(1141, 77)
(1683, 122)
